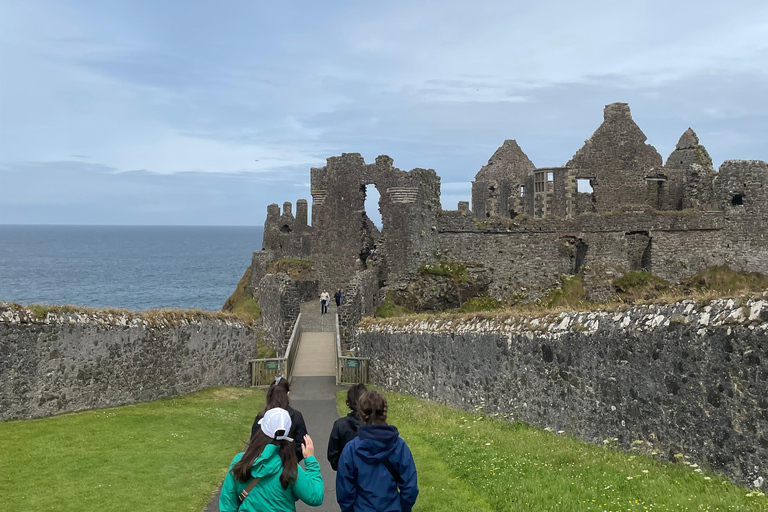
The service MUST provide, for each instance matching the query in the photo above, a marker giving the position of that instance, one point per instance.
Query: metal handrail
(293, 348)
(282, 365)
(346, 373)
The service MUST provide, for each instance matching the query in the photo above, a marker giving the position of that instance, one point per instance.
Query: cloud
(243, 98)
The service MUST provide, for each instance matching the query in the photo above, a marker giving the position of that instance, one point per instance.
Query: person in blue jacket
(376, 471)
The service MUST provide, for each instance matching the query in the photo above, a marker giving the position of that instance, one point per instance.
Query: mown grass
(165, 455)
(471, 462)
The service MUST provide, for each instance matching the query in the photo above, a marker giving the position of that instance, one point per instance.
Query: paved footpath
(313, 393)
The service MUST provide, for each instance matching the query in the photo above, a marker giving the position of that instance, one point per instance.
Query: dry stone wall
(70, 362)
(680, 378)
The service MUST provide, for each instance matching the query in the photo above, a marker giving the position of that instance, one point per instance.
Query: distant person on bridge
(376, 471)
(338, 296)
(267, 475)
(325, 298)
(345, 429)
(278, 395)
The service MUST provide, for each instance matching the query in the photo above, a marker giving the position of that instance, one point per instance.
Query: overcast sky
(146, 112)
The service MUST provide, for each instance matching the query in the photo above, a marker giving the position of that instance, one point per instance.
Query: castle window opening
(522, 190)
(737, 200)
(372, 198)
(583, 185)
(550, 177)
(285, 228)
(540, 182)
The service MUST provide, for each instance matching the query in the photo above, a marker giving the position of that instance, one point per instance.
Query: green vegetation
(725, 282)
(471, 462)
(168, 454)
(241, 302)
(455, 270)
(639, 284)
(298, 270)
(637, 287)
(389, 309)
(476, 304)
(569, 295)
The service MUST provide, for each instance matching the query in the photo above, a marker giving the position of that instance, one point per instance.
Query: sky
(203, 113)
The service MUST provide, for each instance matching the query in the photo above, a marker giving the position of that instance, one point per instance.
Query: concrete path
(315, 397)
(313, 393)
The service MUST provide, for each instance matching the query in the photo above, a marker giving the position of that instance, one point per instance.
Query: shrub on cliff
(298, 270)
(639, 284)
(241, 302)
(389, 309)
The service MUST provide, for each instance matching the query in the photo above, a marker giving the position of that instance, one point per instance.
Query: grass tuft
(298, 270)
(388, 309)
(476, 304)
(569, 295)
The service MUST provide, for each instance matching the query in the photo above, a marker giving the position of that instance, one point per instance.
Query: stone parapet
(57, 362)
(680, 378)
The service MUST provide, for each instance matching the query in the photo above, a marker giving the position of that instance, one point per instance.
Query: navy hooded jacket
(364, 484)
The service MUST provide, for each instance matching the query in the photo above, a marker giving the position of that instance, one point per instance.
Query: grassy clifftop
(241, 303)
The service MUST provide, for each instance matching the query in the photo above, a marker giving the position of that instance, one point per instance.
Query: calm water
(136, 267)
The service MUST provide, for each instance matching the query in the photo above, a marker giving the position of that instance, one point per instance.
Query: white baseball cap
(274, 420)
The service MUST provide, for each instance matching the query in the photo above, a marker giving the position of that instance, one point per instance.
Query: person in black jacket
(345, 429)
(278, 396)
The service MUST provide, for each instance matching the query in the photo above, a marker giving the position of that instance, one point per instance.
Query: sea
(133, 267)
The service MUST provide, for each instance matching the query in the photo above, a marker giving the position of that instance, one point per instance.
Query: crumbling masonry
(527, 225)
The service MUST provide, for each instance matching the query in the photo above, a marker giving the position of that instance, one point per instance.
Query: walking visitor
(345, 429)
(337, 297)
(325, 298)
(267, 476)
(278, 395)
(376, 471)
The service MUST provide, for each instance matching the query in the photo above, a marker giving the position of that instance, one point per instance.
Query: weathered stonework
(528, 226)
(71, 362)
(684, 378)
(279, 300)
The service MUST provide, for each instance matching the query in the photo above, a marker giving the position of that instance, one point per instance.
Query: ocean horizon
(135, 267)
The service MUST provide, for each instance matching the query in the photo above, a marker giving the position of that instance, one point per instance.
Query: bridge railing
(264, 370)
(349, 369)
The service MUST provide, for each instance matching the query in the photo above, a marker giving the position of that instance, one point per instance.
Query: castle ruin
(527, 226)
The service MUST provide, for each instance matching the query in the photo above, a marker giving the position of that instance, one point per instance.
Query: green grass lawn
(165, 455)
(471, 462)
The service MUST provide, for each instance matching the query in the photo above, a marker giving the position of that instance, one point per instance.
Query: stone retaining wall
(680, 378)
(73, 361)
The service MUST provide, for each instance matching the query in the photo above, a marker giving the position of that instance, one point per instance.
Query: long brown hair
(353, 396)
(242, 470)
(372, 407)
(276, 397)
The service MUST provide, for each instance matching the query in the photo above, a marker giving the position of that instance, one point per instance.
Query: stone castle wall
(72, 362)
(279, 298)
(683, 378)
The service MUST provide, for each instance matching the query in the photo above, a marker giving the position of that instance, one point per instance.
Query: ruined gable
(690, 172)
(616, 159)
(498, 187)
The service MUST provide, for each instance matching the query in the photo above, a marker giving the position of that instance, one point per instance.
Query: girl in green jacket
(271, 458)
